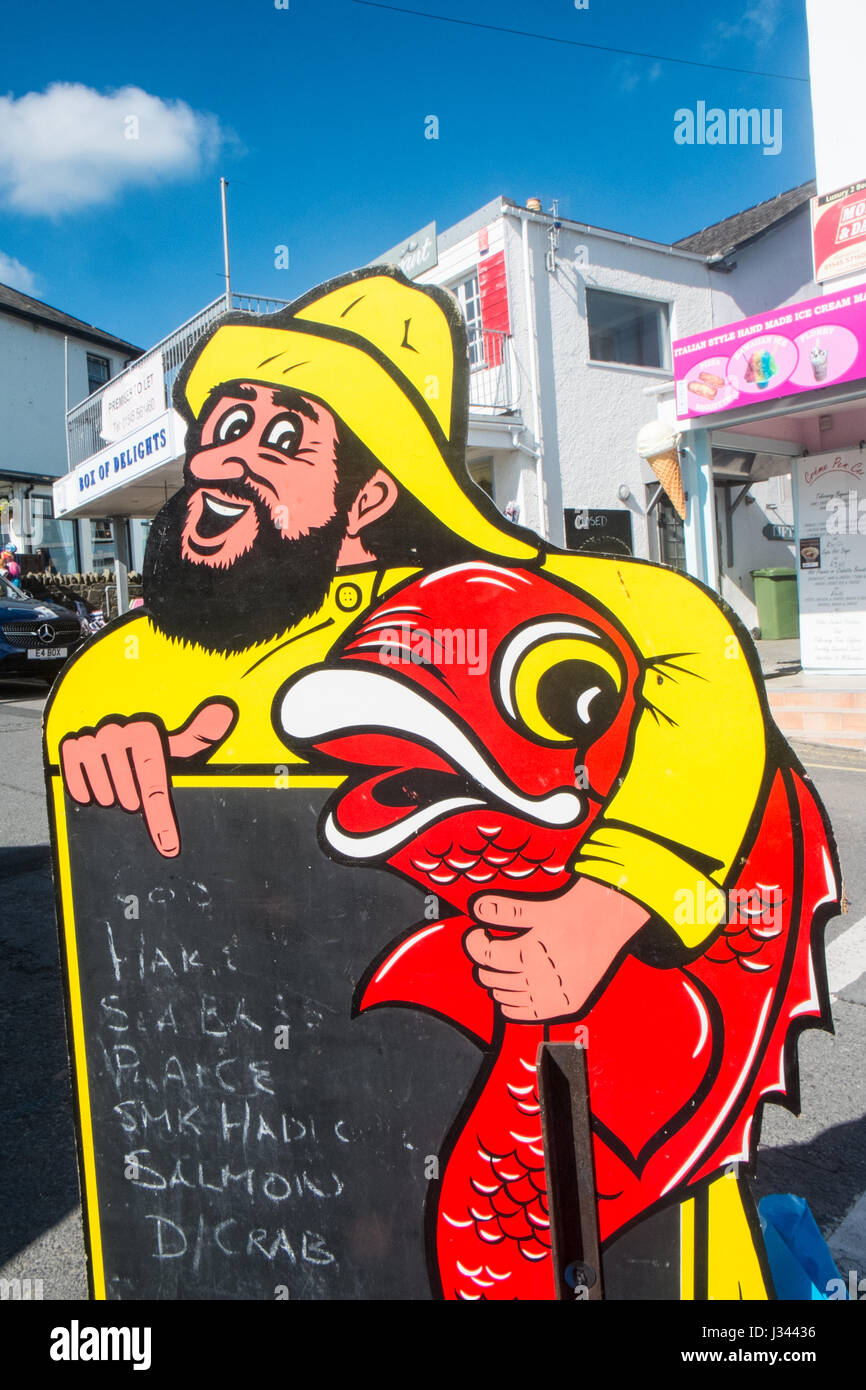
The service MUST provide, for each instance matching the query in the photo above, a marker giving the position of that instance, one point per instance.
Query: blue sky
(316, 116)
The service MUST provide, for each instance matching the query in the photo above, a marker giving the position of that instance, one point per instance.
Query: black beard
(263, 593)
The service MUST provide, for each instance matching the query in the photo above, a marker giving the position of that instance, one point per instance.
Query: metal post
(696, 458)
(563, 1090)
(223, 187)
(66, 398)
(121, 562)
(707, 496)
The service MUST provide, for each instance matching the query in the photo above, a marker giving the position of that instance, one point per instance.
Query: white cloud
(630, 73)
(756, 24)
(71, 147)
(627, 74)
(16, 275)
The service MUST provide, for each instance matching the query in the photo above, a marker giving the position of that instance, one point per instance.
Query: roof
(26, 307)
(723, 237)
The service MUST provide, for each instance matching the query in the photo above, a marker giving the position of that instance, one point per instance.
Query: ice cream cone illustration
(657, 443)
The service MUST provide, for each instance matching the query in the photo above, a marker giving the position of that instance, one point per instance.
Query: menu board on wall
(831, 551)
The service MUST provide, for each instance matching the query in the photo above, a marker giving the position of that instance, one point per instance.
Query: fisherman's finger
(498, 910)
(513, 998)
(148, 761)
(519, 1013)
(95, 772)
(120, 771)
(500, 979)
(492, 952)
(72, 757)
(203, 730)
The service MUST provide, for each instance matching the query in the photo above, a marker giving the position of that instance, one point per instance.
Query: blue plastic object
(800, 1261)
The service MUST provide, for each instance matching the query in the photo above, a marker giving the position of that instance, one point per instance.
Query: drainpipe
(534, 385)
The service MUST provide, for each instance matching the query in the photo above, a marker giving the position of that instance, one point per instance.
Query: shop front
(783, 396)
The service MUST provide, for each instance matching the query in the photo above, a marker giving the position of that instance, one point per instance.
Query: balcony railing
(491, 379)
(84, 421)
(491, 373)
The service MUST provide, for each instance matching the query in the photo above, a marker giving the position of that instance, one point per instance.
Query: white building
(48, 360)
(570, 332)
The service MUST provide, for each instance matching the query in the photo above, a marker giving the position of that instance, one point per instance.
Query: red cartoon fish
(479, 759)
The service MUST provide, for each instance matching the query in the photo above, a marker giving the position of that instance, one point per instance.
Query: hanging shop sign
(800, 347)
(831, 550)
(417, 253)
(778, 531)
(132, 456)
(839, 231)
(133, 400)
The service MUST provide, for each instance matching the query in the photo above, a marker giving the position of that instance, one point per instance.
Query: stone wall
(90, 587)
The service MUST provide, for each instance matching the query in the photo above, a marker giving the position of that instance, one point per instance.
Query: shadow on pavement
(830, 1172)
(38, 1171)
(22, 688)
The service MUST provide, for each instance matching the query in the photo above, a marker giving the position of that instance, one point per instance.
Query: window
(53, 541)
(469, 299)
(628, 330)
(98, 372)
(667, 536)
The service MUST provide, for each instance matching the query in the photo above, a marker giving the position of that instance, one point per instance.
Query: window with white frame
(625, 329)
(469, 299)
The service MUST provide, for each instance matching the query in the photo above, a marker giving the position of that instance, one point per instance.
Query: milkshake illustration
(818, 362)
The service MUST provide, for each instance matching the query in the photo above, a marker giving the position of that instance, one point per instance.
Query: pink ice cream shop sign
(800, 347)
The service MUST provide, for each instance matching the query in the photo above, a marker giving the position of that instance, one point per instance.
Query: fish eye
(576, 699)
(234, 423)
(560, 682)
(283, 434)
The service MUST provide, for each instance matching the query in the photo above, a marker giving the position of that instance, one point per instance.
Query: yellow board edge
(76, 1013)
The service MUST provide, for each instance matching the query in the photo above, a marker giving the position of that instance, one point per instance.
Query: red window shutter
(495, 319)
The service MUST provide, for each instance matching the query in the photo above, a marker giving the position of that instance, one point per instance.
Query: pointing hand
(124, 762)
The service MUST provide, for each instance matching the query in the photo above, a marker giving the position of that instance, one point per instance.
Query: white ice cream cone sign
(658, 443)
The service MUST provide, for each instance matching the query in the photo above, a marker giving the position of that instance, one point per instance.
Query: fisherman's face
(250, 544)
(262, 458)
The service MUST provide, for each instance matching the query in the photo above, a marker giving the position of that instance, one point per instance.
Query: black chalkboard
(599, 530)
(252, 1139)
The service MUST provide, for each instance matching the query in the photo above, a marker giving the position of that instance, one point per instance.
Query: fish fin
(430, 970)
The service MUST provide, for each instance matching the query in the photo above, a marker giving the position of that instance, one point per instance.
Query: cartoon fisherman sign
(571, 757)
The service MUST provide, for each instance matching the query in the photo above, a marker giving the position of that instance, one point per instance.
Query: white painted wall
(592, 412)
(33, 421)
(774, 270)
(32, 399)
(459, 257)
(596, 409)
